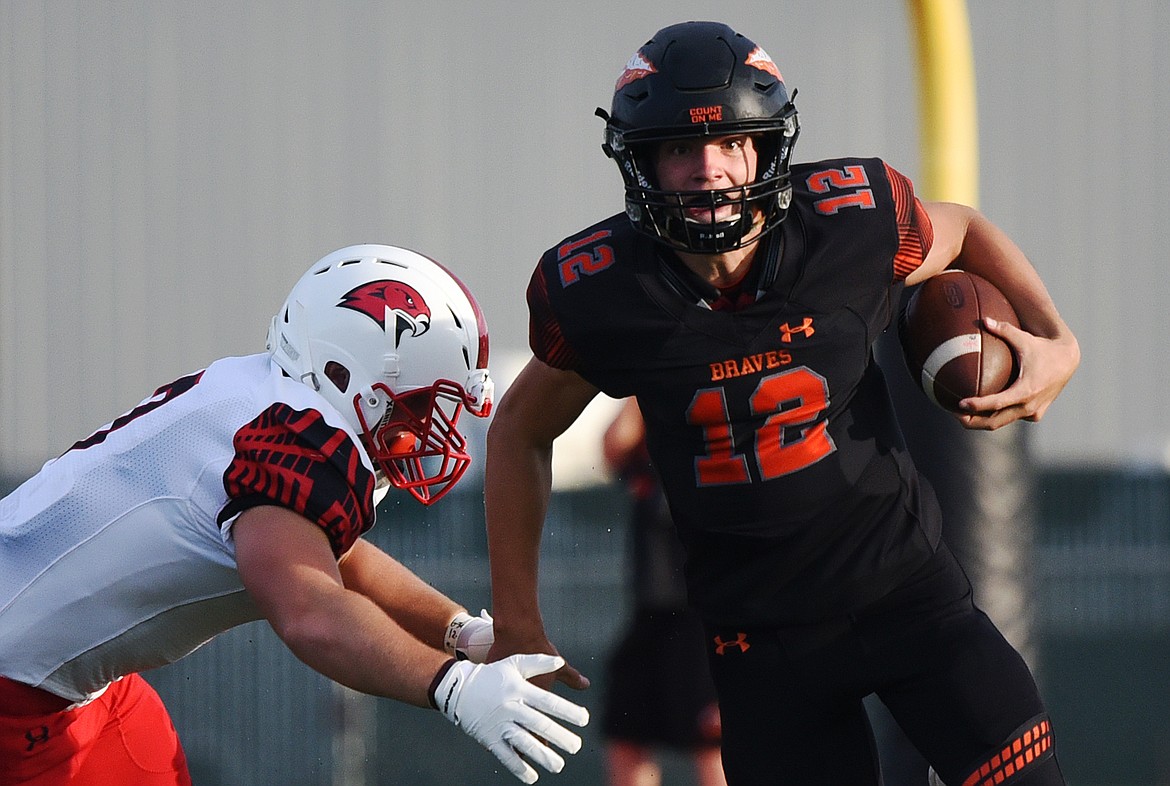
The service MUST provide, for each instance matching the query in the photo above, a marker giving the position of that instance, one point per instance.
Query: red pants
(125, 736)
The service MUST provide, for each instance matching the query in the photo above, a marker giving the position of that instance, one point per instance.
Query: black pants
(791, 697)
(659, 691)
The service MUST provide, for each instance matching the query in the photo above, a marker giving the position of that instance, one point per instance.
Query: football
(947, 349)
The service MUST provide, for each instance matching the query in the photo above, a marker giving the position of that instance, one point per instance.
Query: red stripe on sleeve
(544, 331)
(915, 232)
(296, 460)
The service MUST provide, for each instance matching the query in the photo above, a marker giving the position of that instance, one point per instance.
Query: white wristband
(470, 638)
(451, 639)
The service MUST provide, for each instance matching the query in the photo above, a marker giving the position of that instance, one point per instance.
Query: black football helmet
(692, 80)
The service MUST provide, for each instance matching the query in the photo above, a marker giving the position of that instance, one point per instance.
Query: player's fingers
(546, 728)
(507, 755)
(976, 423)
(534, 666)
(1003, 407)
(1002, 329)
(536, 663)
(1020, 401)
(987, 406)
(1017, 338)
(545, 681)
(557, 706)
(535, 750)
(572, 678)
(992, 421)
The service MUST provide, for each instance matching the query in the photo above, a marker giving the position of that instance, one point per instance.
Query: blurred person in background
(241, 492)
(659, 693)
(738, 298)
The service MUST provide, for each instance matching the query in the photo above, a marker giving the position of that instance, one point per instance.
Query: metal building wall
(1074, 103)
(167, 169)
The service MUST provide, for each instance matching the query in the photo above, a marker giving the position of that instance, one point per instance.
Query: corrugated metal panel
(1075, 107)
(168, 169)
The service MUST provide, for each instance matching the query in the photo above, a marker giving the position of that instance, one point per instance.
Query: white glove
(470, 638)
(496, 705)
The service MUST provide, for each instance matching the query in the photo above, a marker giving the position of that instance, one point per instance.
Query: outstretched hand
(1045, 367)
(507, 643)
(496, 705)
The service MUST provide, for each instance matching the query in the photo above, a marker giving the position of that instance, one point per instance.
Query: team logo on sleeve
(382, 301)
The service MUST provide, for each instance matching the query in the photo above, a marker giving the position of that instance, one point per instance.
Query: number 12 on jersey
(789, 440)
(851, 177)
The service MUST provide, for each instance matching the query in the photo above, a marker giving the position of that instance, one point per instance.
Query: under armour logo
(805, 327)
(740, 641)
(36, 736)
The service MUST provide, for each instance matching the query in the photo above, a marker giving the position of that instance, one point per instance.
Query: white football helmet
(399, 346)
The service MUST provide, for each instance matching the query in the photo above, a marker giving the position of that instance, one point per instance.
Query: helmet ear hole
(337, 374)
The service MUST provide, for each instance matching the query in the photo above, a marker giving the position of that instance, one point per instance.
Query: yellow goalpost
(947, 120)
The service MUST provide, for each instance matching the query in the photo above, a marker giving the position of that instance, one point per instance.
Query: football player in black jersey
(738, 298)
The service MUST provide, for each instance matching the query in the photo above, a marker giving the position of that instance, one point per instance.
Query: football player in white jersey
(240, 492)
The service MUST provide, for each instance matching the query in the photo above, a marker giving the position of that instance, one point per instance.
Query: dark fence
(1103, 566)
(250, 714)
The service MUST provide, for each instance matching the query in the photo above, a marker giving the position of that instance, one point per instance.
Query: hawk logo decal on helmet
(758, 58)
(637, 68)
(409, 309)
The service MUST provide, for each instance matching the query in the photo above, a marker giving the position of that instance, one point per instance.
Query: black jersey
(770, 426)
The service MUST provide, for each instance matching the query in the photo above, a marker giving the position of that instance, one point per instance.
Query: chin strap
(771, 266)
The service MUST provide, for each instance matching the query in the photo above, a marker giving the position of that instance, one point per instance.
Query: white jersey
(118, 557)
